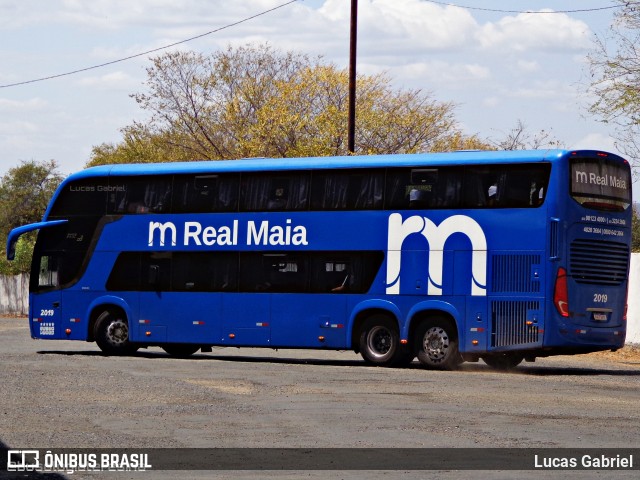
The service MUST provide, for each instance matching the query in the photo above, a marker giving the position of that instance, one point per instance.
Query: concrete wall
(14, 294)
(14, 298)
(633, 315)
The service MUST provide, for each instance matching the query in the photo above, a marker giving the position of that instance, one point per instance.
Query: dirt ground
(628, 354)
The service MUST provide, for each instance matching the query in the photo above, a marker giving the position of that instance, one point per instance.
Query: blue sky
(498, 67)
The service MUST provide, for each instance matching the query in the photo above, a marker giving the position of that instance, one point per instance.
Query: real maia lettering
(263, 232)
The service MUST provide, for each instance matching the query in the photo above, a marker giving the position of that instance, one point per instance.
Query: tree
(255, 101)
(25, 192)
(614, 67)
(519, 138)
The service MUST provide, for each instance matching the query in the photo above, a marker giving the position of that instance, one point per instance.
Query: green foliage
(635, 232)
(255, 101)
(25, 192)
(22, 260)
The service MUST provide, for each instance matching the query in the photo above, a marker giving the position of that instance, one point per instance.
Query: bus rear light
(624, 315)
(561, 293)
(198, 322)
(580, 331)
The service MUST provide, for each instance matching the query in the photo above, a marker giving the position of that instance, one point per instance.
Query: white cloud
(528, 66)
(491, 102)
(539, 31)
(596, 141)
(31, 104)
(440, 72)
(113, 80)
(17, 127)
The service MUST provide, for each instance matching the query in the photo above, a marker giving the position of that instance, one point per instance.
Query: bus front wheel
(437, 344)
(379, 341)
(112, 334)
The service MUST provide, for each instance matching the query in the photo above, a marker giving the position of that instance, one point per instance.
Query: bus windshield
(600, 184)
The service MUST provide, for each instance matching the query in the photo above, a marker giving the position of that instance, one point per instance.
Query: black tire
(380, 341)
(112, 334)
(503, 361)
(436, 344)
(181, 350)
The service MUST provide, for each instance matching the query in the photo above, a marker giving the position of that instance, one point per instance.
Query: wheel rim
(117, 332)
(379, 341)
(435, 344)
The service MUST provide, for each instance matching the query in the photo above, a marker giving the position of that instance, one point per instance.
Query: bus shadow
(160, 356)
(540, 371)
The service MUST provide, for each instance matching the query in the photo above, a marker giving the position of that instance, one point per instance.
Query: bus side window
(273, 272)
(338, 275)
(140, 195)
(506, 186)
(204, 272)
(421, 188)
(275, 191)
(156, 272)
(344, 272)
(205, 193)
(125, 275)
(48, 271)
(348, 190)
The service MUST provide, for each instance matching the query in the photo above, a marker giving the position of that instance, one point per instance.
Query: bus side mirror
(154, 275)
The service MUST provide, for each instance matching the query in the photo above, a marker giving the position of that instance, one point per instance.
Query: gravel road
(68, 395)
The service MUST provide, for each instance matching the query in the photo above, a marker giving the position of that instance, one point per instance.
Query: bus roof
(311, 163)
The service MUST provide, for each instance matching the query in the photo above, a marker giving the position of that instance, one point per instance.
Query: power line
(582, 10)
(93, 67)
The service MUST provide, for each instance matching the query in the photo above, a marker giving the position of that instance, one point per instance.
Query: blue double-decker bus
(452, 257)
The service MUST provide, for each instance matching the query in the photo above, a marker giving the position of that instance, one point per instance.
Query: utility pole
(352, 78)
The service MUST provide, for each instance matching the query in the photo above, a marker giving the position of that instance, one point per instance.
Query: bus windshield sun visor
(15, 234)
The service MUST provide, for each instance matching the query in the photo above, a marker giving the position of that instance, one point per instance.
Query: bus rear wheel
(380, 341)
(437, 344)
(181, 350)
(112, 334)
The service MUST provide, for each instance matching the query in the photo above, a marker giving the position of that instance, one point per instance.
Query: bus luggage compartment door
(246, 319)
